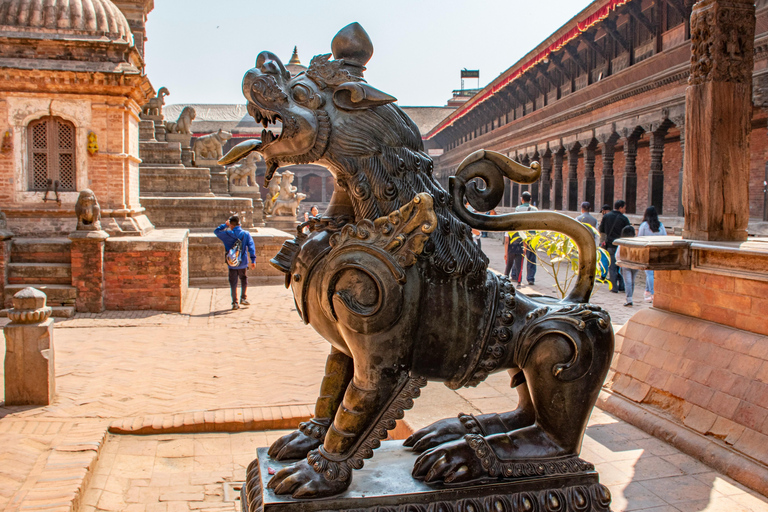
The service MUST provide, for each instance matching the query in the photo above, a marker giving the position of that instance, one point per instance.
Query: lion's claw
(435, 434)
(300, 480)
(295, 445)
(452, 462)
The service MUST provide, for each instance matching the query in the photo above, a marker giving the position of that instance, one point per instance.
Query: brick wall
(148, 272)
(6, 159)
(727, 299)
(710, 377)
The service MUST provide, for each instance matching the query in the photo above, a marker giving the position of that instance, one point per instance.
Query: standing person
(585, 217)
(530, 256)
(611, 225)
(230, 233)
(629, 273)
(513, 256)
(651, 226)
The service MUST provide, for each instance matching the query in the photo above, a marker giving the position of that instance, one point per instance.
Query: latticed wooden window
(51, 142)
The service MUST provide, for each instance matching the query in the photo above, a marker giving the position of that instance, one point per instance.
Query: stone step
(58, 294)
(175, 181)
(58, 312)
(39, 273)
(40, 250)
(197, 212)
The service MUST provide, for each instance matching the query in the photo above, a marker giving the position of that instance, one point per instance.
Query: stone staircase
(43, 263)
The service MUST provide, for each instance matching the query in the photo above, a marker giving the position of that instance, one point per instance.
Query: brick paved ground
(209, 366)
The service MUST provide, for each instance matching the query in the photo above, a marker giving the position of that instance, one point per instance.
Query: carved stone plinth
(182, 138)
(254, 195)
(29, 364)
(87, 254)
(385, 483)
(287, 224)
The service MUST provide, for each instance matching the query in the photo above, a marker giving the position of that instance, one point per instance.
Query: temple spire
(295, 58)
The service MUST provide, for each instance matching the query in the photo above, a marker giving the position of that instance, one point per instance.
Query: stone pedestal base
(29, 364)
(254, 195)
(131, 224)
(287, 224)
(385, 483)
(181, 138)
(87, 255)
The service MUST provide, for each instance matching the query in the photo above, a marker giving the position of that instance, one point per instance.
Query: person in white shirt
(651, 226)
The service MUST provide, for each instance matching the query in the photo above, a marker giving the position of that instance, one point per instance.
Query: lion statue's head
(88, 211)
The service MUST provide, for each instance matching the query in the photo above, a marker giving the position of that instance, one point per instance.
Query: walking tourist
(629, 273)
(517, 249)
(237, 242)
(585, 217)
(651, 226)
(611, 225)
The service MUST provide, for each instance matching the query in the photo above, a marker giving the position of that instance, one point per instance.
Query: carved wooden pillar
(718, 117)
(606, 182)
(573, 177)
(323, 189)
(558, 181)
(536, 185)
(629, 188)
(680, 209)
(656, 172)
(589, 174)
(546, 183)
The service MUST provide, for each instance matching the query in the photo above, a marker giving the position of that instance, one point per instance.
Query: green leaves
(559, 257)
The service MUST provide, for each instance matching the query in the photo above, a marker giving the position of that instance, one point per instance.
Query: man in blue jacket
(229, 233)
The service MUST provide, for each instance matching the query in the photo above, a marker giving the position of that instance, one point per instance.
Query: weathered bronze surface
(390, 276)
(385, 484)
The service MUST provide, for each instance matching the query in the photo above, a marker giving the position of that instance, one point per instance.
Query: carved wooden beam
(610, 29)
(542, 72)
(678, 7)
(594, 47)
(635, 12)
(574, 55)
(557, 62)
(537, 86)
(526, 94)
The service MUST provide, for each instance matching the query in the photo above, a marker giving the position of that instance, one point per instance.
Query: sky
(201, 49)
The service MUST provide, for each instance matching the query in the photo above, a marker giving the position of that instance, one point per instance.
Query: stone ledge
(157, 240)
(739, 467)
(221, 420)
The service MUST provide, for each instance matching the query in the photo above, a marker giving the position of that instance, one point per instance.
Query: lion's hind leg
(565, 357)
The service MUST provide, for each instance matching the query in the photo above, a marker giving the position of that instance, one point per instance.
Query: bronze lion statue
(390, 276)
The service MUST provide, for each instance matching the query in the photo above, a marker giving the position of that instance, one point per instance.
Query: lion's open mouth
(267, 118)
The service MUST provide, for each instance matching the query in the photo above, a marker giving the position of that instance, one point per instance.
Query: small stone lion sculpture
(154, 106)
(274, 191)
(239, 174)
(288, 200)
(88, 211)
(209, 146)
(184, 123)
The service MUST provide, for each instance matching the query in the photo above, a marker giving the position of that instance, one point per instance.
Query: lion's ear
(359, 96)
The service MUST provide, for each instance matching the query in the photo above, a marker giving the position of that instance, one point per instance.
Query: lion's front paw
(435, 434)
(302, 481)
(295, 445)
(452, 463)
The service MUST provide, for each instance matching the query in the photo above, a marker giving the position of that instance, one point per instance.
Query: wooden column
(718, 116)
(656, 172)
(606, 182)
(573, 177)
(589, 174)
(629, 188)
(546, 183)
(680, 208)
(558, 181)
